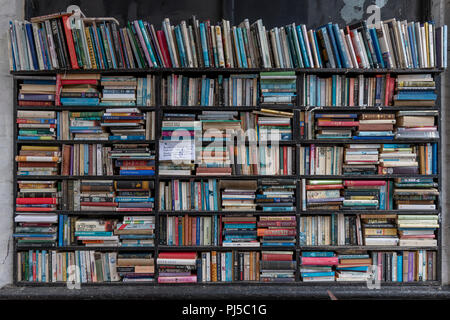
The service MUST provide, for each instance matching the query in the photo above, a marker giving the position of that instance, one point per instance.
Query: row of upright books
(86, 89)
(42, 266)
(405, 124)
(52, 42)
(401, 194)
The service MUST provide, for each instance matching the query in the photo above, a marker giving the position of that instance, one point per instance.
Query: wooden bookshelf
(296, 142)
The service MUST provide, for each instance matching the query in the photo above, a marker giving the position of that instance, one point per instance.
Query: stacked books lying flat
(118, 90)
(93, 195)
(415, 193)
(93, 232)
(405, 266)
(415, 90)
(133, 159)
(374, 126)
(335, 126)
(318, 266)
(277, 230)
(276, 195)
(272, 125)
(347, 194)
(361, 159)
(49, 42)
(417, 230)
(136, 231)
(343, 91)
(191, 231)
(418, 124)
(36, 125)
(322, 160)
(334, 229)
(353, 267)
(124, 124)
(278, 88)
(379, 230)
(277, 266)
(189, 195)
(35, 222)
(37, 91)
(134, 196)
(54, 266)
(177, 267)
(83, 125)
(239, 231)
(407, 158)
(238, 195)
(228, 266)
(136, 266)
(235, 90)
(38, 161)
(79, 89)
(86, 160)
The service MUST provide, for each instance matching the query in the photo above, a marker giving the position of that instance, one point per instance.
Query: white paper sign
(177, 150)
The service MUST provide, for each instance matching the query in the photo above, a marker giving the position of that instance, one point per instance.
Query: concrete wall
(9, 10)
(14, 9)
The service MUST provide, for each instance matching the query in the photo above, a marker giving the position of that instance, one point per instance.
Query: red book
(23, 103)
(386, 94)
(78, 81)
(329, 123)
(285, 160)
(70, 45)
(134, 209)
(163, 45)
(276, 257)
(36, 200)
(276, 232)
(177, 255)
(319, 261)
(28, 209)
(357, 183)
(58, 90)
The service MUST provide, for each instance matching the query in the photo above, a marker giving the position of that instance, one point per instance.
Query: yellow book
(427, 42)
(90, 48)
(40, 148)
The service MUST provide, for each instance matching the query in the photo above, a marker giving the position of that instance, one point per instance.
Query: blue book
(31, 138)
(93, 233)
(80, 101)
(434, 157)
(29, 28)
(111, 48)
(383, 197)
(204, 45)
(399, 268)
(216, 200)
(102, 49)
(444, 45)
(126, 137)
(345, 61)
(373, 138)
(353, 268)
(279, 244)
(303, 47)
(416, 96)
(60, 230)
(137, 172)
(318, 274)
(289, 85)
(197, 233)
(148, 44)
(278, 208)
(412, 42)
(237, 48)
(179, 38)
(134, 199)
(44, 275)
(242, 48)
(329, 27)
(318, 254)
(376, 47)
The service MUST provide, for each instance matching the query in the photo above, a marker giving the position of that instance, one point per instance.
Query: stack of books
(38, 161)
(318, 266)
(417, 124)
(94, 195)
(335, 126)
(189, 195)
(361, 159)
(86, 160)
(239, 90)
(83, 125)
(362, 194)
(372, 127)
(35, 228)
(277, 230)
(79, 89)
(400, 158)
(343, 91)
(216, 123)
(277, 266)
(278, 88)
(124, 156)
(321, 160)
(238, 195)
(276, 195)
(49, 42)
(417, 230)
(37, 91)
(36, 125)
(415, 193)
(353, 267)
(96, 232)
(124, 123)
(272, 127)
(136, 266)
(39, 196)
(190, 231)
(136, 231)
(239, 231)
(145, 91)
(177, 267)
(415, 90)
(322, 195)
(52, 266)
(134, 195)
(379, 230)
(118, 90)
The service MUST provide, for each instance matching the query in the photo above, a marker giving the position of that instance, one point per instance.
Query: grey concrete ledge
(219, 292)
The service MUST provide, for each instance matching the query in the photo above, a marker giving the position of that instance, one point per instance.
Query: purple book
(174, 274)
(410, 266)
(71, 160)
(325, 200)
(36, 97)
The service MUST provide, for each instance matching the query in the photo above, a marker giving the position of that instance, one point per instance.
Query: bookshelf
(296, 142)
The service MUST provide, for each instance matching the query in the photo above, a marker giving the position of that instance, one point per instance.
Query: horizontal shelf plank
(82, 108)
(84, 177)
(354, 141)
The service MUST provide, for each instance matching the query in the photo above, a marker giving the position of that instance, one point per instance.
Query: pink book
(163, 45)
(143, 45)
(319, 261)
(182, 279)
(356, 183)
